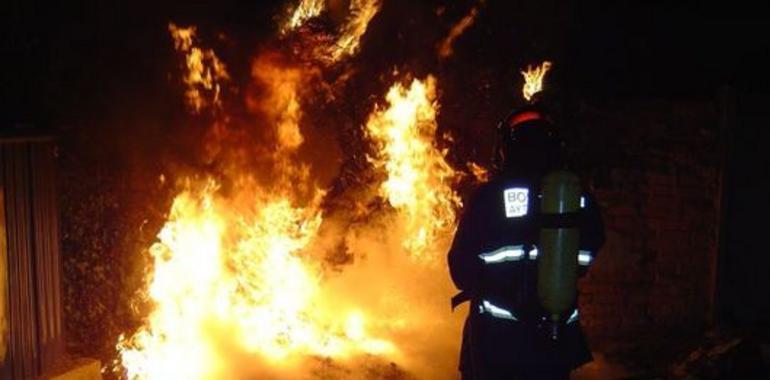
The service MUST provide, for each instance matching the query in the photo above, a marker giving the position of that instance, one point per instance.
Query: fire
(204, 73)
(235, 274)
(235, 267)
(418, 176)
(239, 286)
(533, 79)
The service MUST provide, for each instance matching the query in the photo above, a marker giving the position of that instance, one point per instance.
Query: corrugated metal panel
(4, 322)
(31, 220)
(46, 241)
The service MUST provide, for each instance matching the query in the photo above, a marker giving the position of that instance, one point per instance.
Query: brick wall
(655, 170)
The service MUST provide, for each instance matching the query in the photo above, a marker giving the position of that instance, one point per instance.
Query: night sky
(73, 60)
(105, 77)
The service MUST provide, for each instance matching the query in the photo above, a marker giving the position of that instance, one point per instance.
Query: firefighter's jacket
(493, 261)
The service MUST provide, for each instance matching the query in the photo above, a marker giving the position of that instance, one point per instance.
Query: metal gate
(30, 293)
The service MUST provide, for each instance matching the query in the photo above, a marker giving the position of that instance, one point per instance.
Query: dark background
(691, 78)
(59, 57)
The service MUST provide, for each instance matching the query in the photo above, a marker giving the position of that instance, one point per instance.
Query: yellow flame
(418, 176)
(235, 266)
(533, 79)
(204, 70)
(305, 10)
(446, 47)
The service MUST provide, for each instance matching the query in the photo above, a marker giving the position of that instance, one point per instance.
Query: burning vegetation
(244, 282)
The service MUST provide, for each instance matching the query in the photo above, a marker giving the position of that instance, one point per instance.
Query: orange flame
(282, 101)
(418, 176)
(533, 79)
(204, 70)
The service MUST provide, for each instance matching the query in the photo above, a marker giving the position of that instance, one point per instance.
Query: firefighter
(494, 256)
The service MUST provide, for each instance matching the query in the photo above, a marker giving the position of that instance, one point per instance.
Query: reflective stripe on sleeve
(496, 311)
(533, 253)
(503, 254)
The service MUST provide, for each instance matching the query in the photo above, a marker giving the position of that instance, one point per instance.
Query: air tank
(558, 249)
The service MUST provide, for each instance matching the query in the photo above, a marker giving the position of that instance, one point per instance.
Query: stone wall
(655, 169)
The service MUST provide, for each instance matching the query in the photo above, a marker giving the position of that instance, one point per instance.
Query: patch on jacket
(516, 201)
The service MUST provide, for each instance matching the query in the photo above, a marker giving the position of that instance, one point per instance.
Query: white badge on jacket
(516, 202)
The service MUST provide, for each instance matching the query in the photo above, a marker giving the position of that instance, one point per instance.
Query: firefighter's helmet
(528, 142)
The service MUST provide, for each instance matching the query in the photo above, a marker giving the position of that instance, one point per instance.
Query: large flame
(230, 272)
(239, 287)
(419, 178)
(533, 79)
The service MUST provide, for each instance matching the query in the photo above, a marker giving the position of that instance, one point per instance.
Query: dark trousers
(486, 354)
